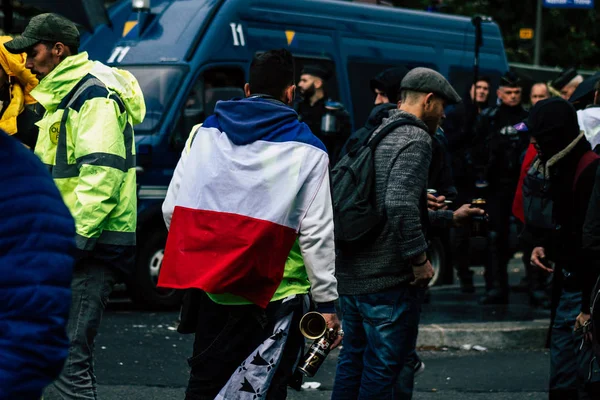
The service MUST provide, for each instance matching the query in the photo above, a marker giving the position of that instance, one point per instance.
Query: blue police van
(189, 54)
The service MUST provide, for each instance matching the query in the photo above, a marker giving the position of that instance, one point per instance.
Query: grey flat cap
(426, 80)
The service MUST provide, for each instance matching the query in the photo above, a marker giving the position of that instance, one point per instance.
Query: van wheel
(437, 257)
(143, 288)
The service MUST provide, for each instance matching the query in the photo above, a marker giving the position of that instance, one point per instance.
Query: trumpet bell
(313, 325)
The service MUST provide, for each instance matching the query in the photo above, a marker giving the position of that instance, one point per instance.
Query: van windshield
(159, 85)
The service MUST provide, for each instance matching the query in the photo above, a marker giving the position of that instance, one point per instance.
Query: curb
(492, 335)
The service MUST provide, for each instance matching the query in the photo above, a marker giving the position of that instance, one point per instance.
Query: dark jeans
(496, 268)
(380, 333)
(563, 346)
(92, 284)
(226, 335)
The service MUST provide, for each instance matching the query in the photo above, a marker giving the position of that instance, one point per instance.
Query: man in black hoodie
(556, 193)
(458, 128)
(497, 155)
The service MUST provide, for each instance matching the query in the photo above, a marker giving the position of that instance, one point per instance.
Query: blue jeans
(380, 333)
(563, 343)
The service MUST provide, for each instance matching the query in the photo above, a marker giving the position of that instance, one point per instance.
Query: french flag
(238, 198)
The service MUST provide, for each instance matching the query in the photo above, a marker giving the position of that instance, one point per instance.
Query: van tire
(437, 256)
(142, 287)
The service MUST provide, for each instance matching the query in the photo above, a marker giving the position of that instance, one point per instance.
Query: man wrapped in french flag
(251, 229)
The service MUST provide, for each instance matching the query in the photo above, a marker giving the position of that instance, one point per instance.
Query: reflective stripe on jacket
(86, 140)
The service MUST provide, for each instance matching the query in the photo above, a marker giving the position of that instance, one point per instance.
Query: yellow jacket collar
(59, 82)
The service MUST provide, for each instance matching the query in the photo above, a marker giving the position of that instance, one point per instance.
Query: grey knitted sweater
(402, 161)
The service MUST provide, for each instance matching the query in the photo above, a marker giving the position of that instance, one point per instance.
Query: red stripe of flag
(225, 253)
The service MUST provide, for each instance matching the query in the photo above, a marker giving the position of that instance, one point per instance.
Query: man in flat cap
(497, 158)
(381, 283)
(327, 119)
(86, 141)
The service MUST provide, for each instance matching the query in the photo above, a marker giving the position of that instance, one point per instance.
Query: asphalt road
(140, 356)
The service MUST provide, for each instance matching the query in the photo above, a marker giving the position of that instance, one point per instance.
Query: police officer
(327, 119)
(499, 148)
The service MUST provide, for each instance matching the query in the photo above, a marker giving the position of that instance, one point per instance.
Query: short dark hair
(272, 72)
(484, 79)
(73, 48)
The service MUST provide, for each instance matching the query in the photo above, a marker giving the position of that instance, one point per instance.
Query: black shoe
(494, 297)
(466, 285)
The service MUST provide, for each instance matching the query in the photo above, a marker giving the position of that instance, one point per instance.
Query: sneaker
(419, 368)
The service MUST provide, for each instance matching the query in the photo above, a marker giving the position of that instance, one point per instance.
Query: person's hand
(423, 274)
(580, 322)
(334, 323)
(436, 203)
(538, 255)
(465, 213)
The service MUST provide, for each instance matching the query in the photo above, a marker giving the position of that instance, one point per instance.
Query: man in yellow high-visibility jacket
(86, 141)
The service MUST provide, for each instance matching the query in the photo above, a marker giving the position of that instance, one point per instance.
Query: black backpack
(355, 216)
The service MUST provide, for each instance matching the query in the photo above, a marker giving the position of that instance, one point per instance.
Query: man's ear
(289, 94)
(499, 93)
(247, 90)
(318, 82)
(59, 50)
(428, 100)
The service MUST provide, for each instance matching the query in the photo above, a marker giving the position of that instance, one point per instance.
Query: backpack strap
(588, 158)
(389, 128)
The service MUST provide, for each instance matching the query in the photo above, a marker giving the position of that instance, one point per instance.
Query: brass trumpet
(313, 325)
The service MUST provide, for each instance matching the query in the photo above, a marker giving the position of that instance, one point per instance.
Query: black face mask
(550, 146)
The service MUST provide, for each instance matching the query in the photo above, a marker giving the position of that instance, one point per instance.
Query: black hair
(484, 79)
(73, 48)
(272, 72)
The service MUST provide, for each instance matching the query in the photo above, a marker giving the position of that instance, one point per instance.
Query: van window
(360, 74)
(221, 83)
(159, 85)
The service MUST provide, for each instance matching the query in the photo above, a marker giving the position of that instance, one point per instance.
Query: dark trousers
(563, 347)
(226, 335)
(92, 284)
(496, 268)
(462, 237)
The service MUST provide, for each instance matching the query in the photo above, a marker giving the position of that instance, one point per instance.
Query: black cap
(584, 94)
(566, 76)
(47, 28)
(426, 80)
(316, 70)
(510, 79)
(553, 123)
(389, 81)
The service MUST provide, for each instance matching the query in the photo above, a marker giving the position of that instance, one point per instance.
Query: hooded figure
(556, 194)
(388, 82)
(17, 83)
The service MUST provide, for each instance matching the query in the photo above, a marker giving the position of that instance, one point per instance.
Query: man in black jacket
(556, 193)
(589, 366)
(498, 151)
(458, 129)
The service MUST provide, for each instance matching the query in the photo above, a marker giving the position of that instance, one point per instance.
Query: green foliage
(570, 36)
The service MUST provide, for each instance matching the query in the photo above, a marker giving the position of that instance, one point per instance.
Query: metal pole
(538, 34)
